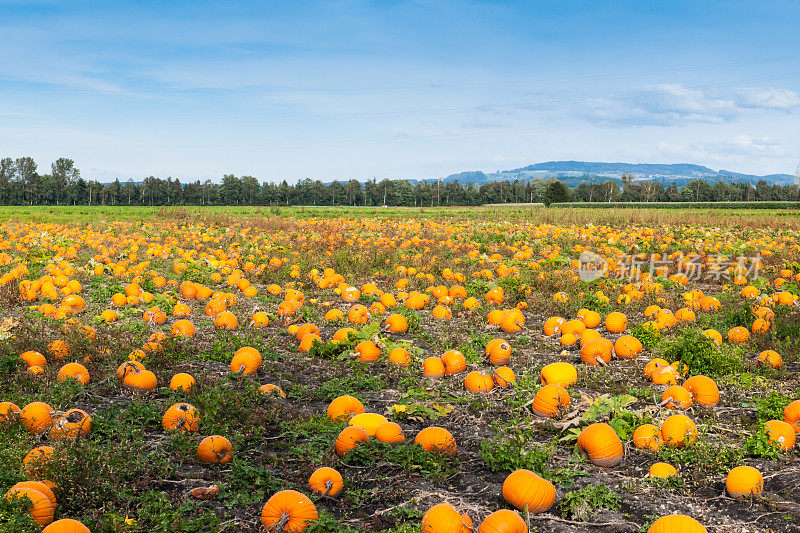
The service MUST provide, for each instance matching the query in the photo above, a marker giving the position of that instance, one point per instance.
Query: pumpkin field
(399, 370)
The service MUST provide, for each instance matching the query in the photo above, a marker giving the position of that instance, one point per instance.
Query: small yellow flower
(129, 521)
(399, 408)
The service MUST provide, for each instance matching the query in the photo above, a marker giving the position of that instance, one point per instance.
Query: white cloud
(768, 98)
(674, 104)
(740, 149)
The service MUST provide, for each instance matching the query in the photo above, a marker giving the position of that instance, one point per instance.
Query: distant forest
(22, 184)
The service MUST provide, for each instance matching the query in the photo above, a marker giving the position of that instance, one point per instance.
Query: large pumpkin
(443, 518)
(344, 407)
(40, 508)
(36, 417)
(436, 439)
(288, 511)
(676, 524)
(703, 389)
(66, 525)
(550, 400)
(503, 521)
(564, 374)
(791, 415)
(527, 491)
(600, 443)
(678, 430)
(744, 481)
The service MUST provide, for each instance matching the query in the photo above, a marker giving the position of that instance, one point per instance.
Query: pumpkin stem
(328, 487)
(284, 519)
(665, 402)
(600, 361)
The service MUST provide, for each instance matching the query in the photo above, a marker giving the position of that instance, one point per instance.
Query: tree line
(22, 184)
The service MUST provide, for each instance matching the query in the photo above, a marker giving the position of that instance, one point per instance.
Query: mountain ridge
(575, 172)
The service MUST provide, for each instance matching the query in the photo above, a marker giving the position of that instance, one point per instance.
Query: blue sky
(335, 90)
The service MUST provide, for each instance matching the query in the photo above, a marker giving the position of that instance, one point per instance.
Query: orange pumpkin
(349, 438)
(326, 481)
(215, 449)
(550, 400)
(678, 430)
(600, 443)
(478, 382)
(344, 407)
(288, 511)
(436, 439)
(528, 492)
(443, 518)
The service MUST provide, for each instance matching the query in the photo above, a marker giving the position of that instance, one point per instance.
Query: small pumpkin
(503, 521)
(616, 322)
(182, 382)
(647, 436)
(434, 438)
(140, 380)
(71, 424)
(443, 518)
(564, 374)
(41, 487)
(36, 461)
(215, 449)
(390, 432)
(181, 416)
(591, 319)
(770, 358)
(367, 351)
(74, 371)
(550, 401)
(703, 389)
(454, 362)
(503, 377)
(344, 407)
(791, 415)
(396, 323)
(499, 352)
(432, 367)
(349, 438)
(33, 358)
(662, 470)
(654, 364)
(245, 362)
(744, 481)
(288, 511)
(597, 352)
(9, 412)
(271, 389)
(478, 382)
(528, 492)
(627, 347)
(36, 417)
(552, 325)
(781, 433)
(226, 320)
(676, 398)
(326, 481)
(40, 507)
(678, 430)
(183, 328)
(400, 356)
(369, 422)
(665, 375)
(127, 367)
(600, 443)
